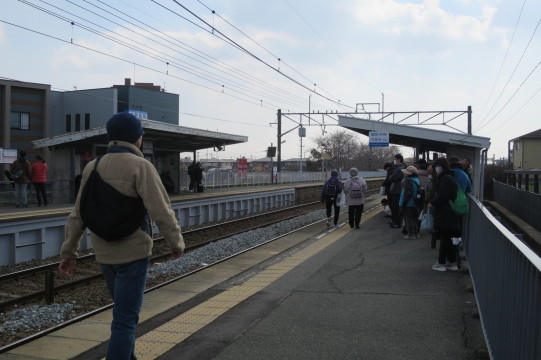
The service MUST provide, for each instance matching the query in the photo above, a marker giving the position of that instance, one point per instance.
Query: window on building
(20, 120)
(77, 122)
(68, 123)
(87, 121)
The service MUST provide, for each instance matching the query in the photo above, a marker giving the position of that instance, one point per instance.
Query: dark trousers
(394, 200)
(354, 215)
(40, 193)
(411, 215)
(448, 251)
(328, 207)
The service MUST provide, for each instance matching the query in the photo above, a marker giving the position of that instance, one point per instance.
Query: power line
(241, 48)
(509, 80)
(258, 44)
(504, 58)
(199, 72)
(133, 63)
(512, 96)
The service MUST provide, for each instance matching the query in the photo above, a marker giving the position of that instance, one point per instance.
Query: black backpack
(107, 212)
(17, 174)
(330, 190)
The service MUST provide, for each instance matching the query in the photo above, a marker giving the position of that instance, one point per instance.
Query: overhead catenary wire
(504, 58)
(280, 59)
(169, 60)
(244, 50)
(482, 123)
(134, 63)
(254, 80)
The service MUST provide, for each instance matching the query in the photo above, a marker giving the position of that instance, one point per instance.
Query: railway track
(91, 286)
(43, 283)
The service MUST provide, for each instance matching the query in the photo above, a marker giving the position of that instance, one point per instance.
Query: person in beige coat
(124, 261)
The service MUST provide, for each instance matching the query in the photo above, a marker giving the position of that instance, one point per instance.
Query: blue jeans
(20, 194)
(126, 284)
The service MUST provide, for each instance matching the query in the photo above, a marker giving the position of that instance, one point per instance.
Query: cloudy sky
(235, 63)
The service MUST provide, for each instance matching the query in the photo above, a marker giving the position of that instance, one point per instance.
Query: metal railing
(506, 276)
(524, 204)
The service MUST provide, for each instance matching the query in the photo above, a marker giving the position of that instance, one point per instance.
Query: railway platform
(316, 293)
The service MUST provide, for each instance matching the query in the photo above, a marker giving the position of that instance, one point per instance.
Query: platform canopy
(165, 137)
(425, 140)
(415, 136)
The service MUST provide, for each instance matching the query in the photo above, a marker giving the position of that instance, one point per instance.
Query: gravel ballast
(37, 318)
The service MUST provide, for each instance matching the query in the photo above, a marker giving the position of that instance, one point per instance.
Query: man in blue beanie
(124, 127)
(123, 257)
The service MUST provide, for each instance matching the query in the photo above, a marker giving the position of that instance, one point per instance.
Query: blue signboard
(378, 138)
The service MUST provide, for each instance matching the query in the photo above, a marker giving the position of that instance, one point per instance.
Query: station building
(68, 128)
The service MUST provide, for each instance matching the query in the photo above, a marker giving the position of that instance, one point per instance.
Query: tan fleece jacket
(131, 175)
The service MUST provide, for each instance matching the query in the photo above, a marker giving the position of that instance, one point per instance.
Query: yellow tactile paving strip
(165, 337)
(83, 336)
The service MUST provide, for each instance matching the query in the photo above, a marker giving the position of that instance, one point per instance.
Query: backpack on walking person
(355, 188)
(331, 190)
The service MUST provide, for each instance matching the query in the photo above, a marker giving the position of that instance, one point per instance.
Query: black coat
(444, 217)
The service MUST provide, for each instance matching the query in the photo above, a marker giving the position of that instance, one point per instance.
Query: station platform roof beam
(166, 137)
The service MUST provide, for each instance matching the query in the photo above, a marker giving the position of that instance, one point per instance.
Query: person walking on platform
(123, 260)
(21, 173)
(39, 178)
(407, 203)
(393, 196)
(355, 190)
(446, 222)
(329, 196)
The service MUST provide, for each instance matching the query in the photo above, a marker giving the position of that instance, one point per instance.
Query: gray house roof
(533, 135)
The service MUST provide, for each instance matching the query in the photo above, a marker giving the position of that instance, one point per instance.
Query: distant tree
(345, 149)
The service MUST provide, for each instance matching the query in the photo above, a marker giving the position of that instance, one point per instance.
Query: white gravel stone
(37, 317)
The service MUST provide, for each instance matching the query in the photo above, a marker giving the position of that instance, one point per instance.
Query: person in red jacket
(39, 178)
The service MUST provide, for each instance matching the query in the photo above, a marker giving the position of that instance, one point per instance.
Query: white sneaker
(451, 266)
(439, 267)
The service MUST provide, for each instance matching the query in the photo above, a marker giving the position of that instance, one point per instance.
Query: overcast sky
(235, 68)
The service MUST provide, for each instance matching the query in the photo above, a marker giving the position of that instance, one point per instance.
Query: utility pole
(279, 156)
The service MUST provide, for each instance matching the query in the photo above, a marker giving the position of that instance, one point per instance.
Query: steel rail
(45, 332)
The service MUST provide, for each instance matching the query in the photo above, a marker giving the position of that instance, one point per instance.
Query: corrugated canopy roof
(166, 137)
(409, 135)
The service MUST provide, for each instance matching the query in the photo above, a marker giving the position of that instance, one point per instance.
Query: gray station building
(68, 128)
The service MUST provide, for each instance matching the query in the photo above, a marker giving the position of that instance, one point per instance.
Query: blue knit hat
(124, 127)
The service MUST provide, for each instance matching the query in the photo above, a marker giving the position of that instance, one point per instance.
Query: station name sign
(378, 138)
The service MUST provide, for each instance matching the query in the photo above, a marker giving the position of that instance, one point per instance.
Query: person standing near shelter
(329, 196)
(460, 176)
(446, 222)
(21, 173)
(468, 169)
(191, 168)
(39, 178)
(395, 179)
(198, 177)
(388, 167)
(124, 261)
(355, 190)
(407, 203)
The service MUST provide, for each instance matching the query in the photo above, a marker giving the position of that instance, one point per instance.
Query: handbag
(341, 200)
(460, 205)
(427, 223)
